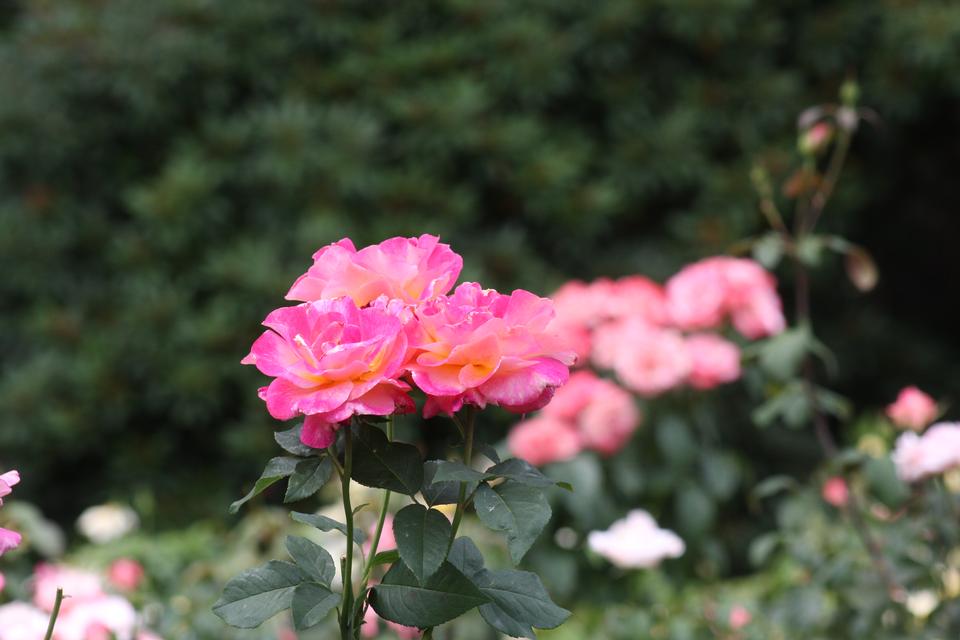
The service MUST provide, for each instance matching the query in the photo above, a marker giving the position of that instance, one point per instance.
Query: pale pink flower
(332, 360)
(573, 397)
(585, 305)
(652, 361)
(760, 316)
(609, 419)
(100, 618)
(407, 269)
(920, 456)
(913, 409)
(387, 540)
(20, 621)
(126, 573)
(740, 617)
(697, 295)
(714, 360)
(576, 337)
(836, 492)
(481, 347)
(544, 439)
(636, 542)
(78, 586)
(638, 297)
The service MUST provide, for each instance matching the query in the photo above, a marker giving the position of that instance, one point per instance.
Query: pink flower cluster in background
(587, 413)
(640, 330)
(636, 542)
(8, 539)
(376, 320)
(934, 452)
(88, 610)
(913, 409)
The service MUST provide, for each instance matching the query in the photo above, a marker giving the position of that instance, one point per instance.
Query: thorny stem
(346, 609)
(804, 224)
(54, 614)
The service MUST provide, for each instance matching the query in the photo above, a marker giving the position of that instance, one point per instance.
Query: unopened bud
(815, 139)
(849, 93)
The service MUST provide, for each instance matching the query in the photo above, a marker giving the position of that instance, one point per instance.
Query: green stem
(467, 459)
(379, 530)
(54, 614)
(427, 634)
(346, 609)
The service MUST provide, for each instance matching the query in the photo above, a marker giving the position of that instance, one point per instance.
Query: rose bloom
(573, 397)
(585, 305)
(638, 297)
(836, 492)
(102, 618)
(609, 419)
(20, 621)
(713, 360)
(331, 360)
(913, 409)
(739, 617)
(481, 347)
(407, 269)
(652, 361)
(697, 295)
(544, 439)
(9, 540)
(919, 456)
(80, 585)
(636, 542)
(126, 573)
(107, 522)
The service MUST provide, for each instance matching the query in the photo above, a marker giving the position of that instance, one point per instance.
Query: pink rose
(638, 297)
(387, 540)
(481, 347)
(78, 584)
(544, 439)
(100, 618)
(697, 295)
(919, 456)
(408, 269)
(714, 360)
(739, 617)
(573, 397)
(835, 492)
(652, 361)
(609, 419)
(913, 409)
(126, 573)
(331, 360)
(636, 542)
(760, 316)
(584, 305)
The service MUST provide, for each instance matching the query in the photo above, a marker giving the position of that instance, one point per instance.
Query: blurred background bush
(168, 167)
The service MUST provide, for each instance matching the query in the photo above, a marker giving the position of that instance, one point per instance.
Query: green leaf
(781, 355)
(279, 467)
(446, 471)
(326, 524)
(311, 558)
(290, 442)
(382, 464)
(520, 471)
(694, 510)
(768, 250)
(519, 510)
(422, 536)
(258, 594)
(487, 451)
(439, 492)
(386, 557)
(446, 595)
(518, 602)
(309, 477)
(311, 604)
(721, 473)
(465, 556)
(884, 483)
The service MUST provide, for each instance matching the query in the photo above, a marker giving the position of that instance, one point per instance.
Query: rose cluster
(375, 322)
(89, 610)
(656, 338)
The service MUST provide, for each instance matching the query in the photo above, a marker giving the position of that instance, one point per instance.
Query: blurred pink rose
(583, 305)
(20, 621)
(652, 361)
(835, 492)
(609, 419)
(573, 397)
(919, 456)
(740, 617)
(331, 360)
(126, 573)
(387, 540)
(638, 297)
(636, 542)
(714, 360)
(100, 618)
(697, 295)
(544, 439)
(913, 409)
(481, 347)
(408, 269)
(78, 585)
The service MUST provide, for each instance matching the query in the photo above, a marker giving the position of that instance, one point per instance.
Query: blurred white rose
(107, 522)
(636, 542)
